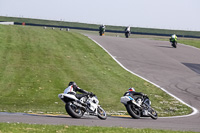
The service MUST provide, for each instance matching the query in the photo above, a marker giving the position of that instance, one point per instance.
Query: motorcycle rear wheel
(73, 110)
(101, 113)
(132, 111)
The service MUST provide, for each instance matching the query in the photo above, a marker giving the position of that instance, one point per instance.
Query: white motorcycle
(139, 106)
(88, 104)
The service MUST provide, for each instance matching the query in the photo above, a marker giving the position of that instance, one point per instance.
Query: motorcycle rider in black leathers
(73, 88)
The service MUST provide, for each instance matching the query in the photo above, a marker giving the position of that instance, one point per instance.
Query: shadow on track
(165, 46)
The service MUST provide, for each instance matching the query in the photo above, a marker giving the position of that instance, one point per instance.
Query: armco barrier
(56, 26)
(112, 31)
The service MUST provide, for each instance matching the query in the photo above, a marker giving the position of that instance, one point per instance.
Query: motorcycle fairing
(62, 95)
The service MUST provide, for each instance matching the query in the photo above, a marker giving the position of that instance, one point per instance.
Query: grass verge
(36, 128)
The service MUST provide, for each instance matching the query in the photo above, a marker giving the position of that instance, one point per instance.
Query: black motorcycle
(127, 34)
(101, 31)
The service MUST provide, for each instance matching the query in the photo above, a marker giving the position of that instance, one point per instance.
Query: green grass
(37, 64)
(29, 128)
(191, 42)
(95, 26)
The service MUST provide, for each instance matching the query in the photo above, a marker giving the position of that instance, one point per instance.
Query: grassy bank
(37, 64)
(28, 128)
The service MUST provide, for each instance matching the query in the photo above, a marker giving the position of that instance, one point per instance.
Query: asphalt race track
(176, 70)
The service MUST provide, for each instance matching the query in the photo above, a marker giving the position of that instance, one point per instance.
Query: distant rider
(73, 88)
(128, 29)
(102, 28)
(173, 38)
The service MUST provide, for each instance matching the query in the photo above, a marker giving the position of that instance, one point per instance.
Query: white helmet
(131, 89)
(173, 36)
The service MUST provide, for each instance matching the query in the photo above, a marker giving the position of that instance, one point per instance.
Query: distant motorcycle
(127, 34)
(139, 106)
(101, 30)
(89, 104)
(173, 41)
(127, 31)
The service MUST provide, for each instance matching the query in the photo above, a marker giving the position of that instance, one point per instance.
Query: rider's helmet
(174, 36)
(72, 83)
(131, 89)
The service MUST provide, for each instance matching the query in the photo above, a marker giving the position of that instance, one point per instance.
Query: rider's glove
(90, 93)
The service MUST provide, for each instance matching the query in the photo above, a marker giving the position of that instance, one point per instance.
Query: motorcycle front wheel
(174, 44)
(101, 113)
(132, 111)
(126, 35)
(73, 110)
(153, 114)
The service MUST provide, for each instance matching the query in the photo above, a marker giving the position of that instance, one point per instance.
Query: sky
(162, 14)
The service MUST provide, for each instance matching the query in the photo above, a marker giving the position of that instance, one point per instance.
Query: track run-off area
(175, 70)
